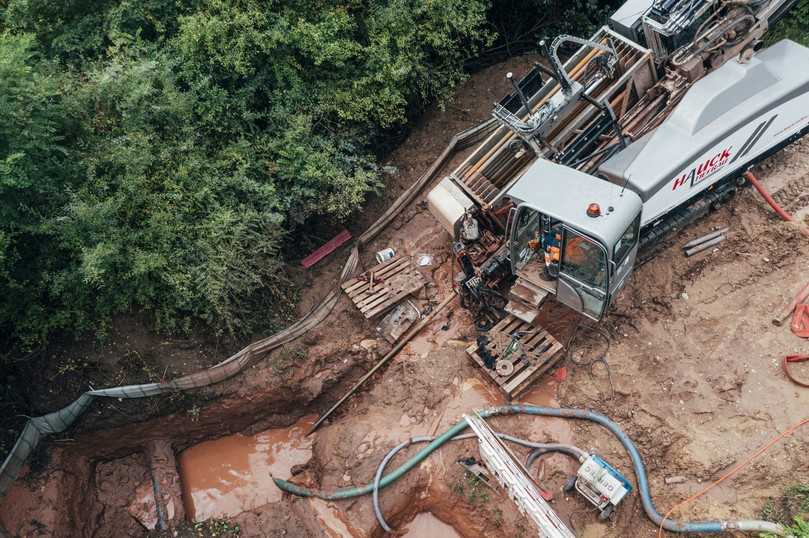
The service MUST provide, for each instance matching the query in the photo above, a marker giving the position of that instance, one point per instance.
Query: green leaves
(157, 154)
(794, 26)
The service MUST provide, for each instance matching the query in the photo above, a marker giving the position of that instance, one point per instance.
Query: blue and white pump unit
(601, 484)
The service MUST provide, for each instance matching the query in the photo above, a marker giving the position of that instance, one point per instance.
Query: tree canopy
(159, 155)
(156, 154)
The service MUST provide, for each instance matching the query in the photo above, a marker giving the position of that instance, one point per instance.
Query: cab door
(583, 275)
(523, 227)
(624, 254)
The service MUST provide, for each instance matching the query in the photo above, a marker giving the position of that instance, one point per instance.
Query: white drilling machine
(648, 125)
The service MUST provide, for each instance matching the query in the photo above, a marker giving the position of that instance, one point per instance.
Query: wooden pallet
(541, 353)
(382, 287)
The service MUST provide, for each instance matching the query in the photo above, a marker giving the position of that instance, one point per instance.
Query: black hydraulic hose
(576, 453)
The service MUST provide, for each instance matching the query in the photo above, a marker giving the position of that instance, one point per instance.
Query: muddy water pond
(426, 525)
(227, 476)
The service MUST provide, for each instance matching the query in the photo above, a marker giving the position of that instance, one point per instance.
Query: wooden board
(380, 288)
(326, 249)
(541, 353)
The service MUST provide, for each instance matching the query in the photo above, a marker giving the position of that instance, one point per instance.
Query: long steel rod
(704, 246)
(706, 237)
(392, 353)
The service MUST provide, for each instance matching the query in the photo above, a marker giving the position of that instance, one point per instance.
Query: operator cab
(573, 234)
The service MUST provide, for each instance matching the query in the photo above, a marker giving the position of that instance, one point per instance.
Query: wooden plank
(326, 249)
(543, 365)
(395, 299)
(553, 360)
(365, 288)
(363, 285)
(541, 352)
(388, 267)
(381, 269)
(533, 378)
(371, 297)
(383, 297)
(393, 280)
(534, 339)
(352, 283)
(397, 283)
(502, 323)
(516, 381)
(513, 382)
(519, 364)
(513, 326)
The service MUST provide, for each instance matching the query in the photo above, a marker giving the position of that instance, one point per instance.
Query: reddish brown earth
(693, 360)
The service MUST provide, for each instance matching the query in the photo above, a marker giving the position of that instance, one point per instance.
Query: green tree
(36, 171)
(794, 26)
(174, 146)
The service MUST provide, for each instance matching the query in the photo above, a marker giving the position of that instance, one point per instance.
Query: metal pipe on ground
(392, 353)
(704, 245)
(704, 238)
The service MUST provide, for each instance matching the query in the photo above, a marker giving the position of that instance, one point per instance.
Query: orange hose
(769, 199)
(786, 433)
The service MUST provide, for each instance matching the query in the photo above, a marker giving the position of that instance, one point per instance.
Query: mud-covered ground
(693, 377)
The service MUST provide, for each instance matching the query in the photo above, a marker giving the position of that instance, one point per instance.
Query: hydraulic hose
(579, 414)
(572, 451)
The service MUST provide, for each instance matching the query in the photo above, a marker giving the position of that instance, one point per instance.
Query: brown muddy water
(426, 525)
(227, 476)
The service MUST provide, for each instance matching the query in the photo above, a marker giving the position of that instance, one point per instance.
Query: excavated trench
(115, 476)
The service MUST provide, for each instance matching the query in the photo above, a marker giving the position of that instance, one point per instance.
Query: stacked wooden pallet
(538, 353)
(380, 288)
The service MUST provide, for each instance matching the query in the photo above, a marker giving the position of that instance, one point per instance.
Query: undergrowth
(791, 510)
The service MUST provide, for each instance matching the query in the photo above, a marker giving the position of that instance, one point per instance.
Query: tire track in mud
(794, 195)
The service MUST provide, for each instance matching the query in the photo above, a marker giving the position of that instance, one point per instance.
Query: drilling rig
(647, 125)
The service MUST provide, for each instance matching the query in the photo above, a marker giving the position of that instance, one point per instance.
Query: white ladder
(513, 477)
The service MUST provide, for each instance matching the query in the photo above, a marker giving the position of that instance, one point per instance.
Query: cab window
(627, 241)
(584, 260)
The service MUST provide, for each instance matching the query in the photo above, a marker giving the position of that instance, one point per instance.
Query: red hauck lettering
(703, 170)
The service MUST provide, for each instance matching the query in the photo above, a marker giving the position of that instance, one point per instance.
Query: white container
(384, 255)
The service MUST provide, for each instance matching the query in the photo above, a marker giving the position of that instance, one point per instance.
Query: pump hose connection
(567, 413)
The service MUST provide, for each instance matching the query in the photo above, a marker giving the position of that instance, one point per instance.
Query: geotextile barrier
(38, 427)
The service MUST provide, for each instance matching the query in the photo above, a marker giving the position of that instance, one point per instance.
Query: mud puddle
(543, 394)
(227, 476)
(426, 525)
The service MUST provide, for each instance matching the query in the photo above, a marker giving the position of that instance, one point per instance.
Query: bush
(36, 170)
(158, 154)
(794, 26)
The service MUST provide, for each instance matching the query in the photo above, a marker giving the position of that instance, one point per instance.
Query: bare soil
(692, 375)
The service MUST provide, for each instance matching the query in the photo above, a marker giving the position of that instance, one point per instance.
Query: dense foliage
(158, 154)
(795, 25)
